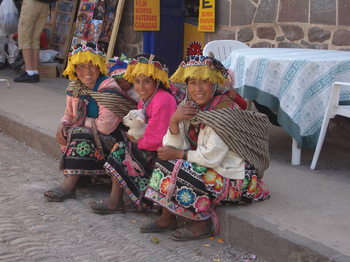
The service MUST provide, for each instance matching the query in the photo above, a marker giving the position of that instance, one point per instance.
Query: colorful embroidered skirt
(191, 191)
(133, 169)
(82, 157)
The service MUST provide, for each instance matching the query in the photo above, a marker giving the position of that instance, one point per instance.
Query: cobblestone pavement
(33, 229)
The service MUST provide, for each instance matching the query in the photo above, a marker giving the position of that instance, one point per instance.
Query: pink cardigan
(106, 122)
(159, 111)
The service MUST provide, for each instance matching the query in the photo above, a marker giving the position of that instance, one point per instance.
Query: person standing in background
(32, 20)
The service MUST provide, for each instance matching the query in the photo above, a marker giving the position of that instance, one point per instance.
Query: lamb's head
(134, 119)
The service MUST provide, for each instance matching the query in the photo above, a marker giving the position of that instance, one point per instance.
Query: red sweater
(241, 102)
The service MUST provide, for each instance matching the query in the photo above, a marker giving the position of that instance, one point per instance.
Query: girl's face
(123, 84)
(87, 73)
(145, 86)
(200, 90)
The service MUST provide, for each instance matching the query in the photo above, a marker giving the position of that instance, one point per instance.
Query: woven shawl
(114, 100)
(244, 132)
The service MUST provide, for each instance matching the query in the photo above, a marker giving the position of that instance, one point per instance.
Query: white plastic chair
(221, 49)
(333, 109)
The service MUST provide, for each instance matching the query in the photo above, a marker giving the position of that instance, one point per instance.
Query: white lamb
(135, 120)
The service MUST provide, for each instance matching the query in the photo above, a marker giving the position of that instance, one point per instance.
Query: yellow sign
(206, 20)
(146, 15)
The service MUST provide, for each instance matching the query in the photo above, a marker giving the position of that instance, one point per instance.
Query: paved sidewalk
(306, 218)
(32, 229)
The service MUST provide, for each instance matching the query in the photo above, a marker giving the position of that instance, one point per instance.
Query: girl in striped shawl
(213, 154)
(92, 123)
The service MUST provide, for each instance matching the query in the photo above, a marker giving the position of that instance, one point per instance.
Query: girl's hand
(132, 139)
(186, 111)
(232, 93)
(167, 153)
(61, 134)
(181, 113)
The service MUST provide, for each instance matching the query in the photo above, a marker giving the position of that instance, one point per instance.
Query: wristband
(184, 155)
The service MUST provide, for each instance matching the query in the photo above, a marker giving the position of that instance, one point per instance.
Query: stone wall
(317, 24)
(312, 24)
(128, 41)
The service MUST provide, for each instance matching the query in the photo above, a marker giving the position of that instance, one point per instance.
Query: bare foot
(165, 221)
(162, 223)
(196, 228)
(110, 202)
(67, 186)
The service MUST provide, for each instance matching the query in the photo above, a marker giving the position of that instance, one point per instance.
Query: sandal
(101, 208)
(152, 227)
(59, 195)
(186, 235)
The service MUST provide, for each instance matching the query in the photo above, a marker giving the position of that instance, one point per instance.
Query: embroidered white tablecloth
(295, 82)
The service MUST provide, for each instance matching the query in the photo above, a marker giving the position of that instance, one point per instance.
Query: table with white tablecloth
(294, 82)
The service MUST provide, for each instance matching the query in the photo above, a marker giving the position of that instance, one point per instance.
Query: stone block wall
(128, 41)
(312, 24)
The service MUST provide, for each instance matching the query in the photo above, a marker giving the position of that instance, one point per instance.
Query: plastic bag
(47, 56)
(8, 17)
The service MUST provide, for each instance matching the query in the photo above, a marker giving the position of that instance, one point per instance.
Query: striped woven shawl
(245, 132)
(118, 103)
(111, 98)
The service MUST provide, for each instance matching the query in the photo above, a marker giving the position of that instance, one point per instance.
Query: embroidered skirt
(191, 191)
(82, 157)
(133, 169)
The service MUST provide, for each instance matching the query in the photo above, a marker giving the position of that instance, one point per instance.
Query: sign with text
(146, 15)
(206, 19)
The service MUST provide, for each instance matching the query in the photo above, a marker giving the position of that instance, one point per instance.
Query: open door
(168, 42)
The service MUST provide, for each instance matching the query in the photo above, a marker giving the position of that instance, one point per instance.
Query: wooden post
(116, 24)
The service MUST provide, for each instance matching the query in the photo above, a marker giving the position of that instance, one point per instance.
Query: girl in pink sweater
(131, 163)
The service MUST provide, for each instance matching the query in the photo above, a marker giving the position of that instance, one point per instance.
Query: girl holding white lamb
(131, 163)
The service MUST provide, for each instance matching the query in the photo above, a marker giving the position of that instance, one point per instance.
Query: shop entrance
(178, 36)
(168, 42)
